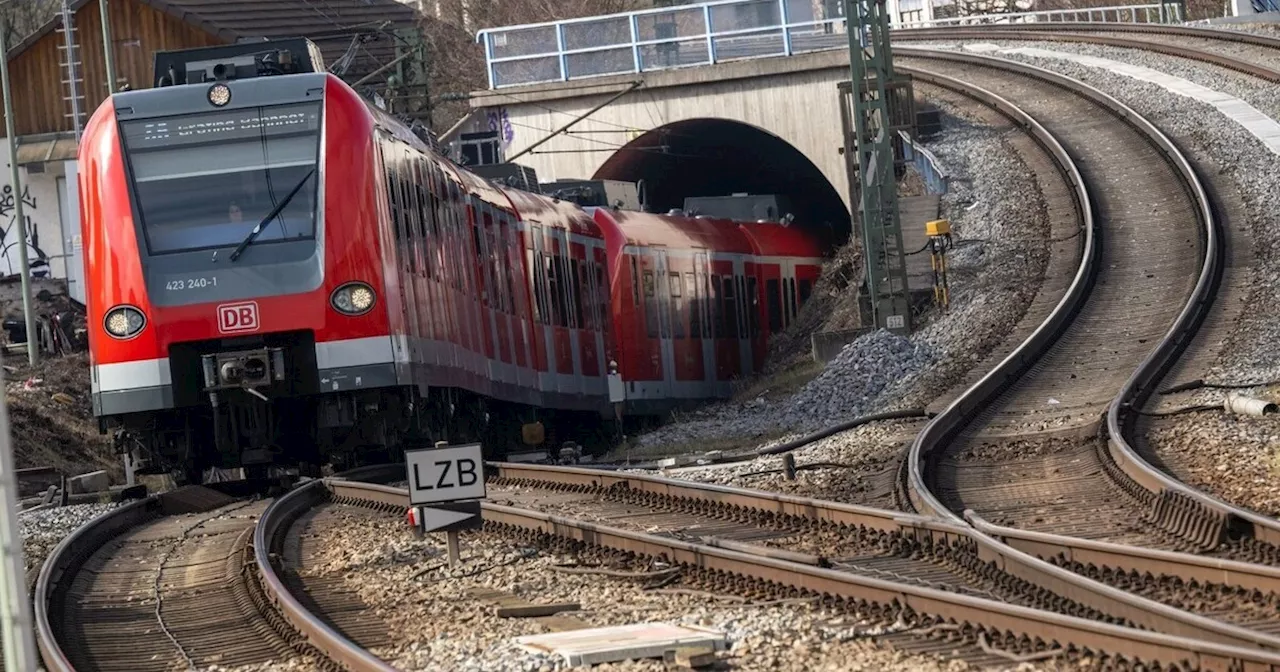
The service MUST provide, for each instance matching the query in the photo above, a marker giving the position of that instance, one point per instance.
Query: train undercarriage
(244, 431)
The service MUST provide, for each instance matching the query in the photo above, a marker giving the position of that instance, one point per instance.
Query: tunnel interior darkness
(719, 157)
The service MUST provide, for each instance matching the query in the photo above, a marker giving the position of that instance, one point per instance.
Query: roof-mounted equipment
(244, 60)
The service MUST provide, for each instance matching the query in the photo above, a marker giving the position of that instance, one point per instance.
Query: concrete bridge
(728, 96)
(761, 126)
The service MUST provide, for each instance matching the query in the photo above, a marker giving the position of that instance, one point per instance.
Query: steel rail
(1025, 555)
(1143, 28)
(1045, 626)
(66, 559)
(268, 538)
(986, 33)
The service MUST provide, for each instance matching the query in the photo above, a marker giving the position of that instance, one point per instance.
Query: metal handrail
(782, 25)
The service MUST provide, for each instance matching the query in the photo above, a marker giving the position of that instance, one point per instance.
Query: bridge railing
(703, 34)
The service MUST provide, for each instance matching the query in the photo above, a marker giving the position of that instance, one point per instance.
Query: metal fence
(703, 34)
(935, 178)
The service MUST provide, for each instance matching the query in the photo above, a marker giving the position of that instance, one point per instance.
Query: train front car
(231, 228)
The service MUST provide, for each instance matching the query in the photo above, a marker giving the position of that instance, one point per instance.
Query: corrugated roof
(331, 24)
(49, 147)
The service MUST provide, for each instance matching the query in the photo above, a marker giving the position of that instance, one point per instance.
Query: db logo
(233, 317)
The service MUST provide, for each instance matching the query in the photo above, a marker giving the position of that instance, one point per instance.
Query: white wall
(45, 239)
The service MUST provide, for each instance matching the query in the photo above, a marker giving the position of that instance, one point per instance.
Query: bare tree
(24, 18)
(456, 60)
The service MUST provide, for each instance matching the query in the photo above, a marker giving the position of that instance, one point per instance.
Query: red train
(281, 274)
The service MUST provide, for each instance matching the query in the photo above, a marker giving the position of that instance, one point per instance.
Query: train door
(587, 307)
(662, 290)
(500, 297)
(522, 315)
(685, 332)
(603, 302)
(701, 304)
(543, 340)
(773, 318)
(748, 315)
(486, 297)
(561, 286)
(724, 301)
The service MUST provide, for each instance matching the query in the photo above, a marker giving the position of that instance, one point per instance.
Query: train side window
(717, 317)
(773, 302)
(677, 305)
(806, 290)
(574, 284)
(410, 211)
(753, 306)
(635, 281)
(553, 290)
(791, 299)
(732, 328)
(602, 296)
(539, 277)
(650, 305)
(695, 307)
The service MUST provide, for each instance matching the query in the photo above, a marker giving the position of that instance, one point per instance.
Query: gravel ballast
(44, 529)
(1233, 457)
(439, 625)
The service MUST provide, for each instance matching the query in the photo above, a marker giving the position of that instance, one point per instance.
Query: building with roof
(58, 78)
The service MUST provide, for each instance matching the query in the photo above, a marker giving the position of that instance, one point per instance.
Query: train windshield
(203, 181)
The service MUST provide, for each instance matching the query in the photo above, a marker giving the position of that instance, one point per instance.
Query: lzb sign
(446, 485)
(233, 317)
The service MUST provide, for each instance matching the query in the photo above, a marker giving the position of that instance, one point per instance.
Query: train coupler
(244, 369)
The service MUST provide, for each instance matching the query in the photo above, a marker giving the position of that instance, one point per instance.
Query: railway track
(1188, 42)
(1002, 453)
(186, 579)
(1252, 55)
(984, 629)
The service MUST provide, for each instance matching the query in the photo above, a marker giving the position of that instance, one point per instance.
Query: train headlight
(219, 94)
(353, 298)
(124, 322)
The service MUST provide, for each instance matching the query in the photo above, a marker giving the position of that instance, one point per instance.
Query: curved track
(1027, 463)
(1188, 42)
(180, 579)
(1199, 520)
(1252, 55)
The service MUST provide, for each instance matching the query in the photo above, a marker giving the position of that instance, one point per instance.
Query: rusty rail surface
(1084, 36)
(835, 586)
(268, 539)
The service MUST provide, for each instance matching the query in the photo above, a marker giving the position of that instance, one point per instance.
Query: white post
(15, 617)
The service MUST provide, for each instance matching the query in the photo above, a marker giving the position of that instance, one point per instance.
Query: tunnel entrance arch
(719, 157)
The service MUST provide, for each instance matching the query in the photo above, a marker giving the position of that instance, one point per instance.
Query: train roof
(771, 239)
(540, 210)
(646, 229)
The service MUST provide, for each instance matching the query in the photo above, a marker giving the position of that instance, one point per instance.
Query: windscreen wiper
(270, 216)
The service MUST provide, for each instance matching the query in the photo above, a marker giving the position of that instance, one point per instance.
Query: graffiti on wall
(36, 258)
(498, 120)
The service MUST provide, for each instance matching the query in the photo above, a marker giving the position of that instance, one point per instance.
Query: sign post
(446, 484)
